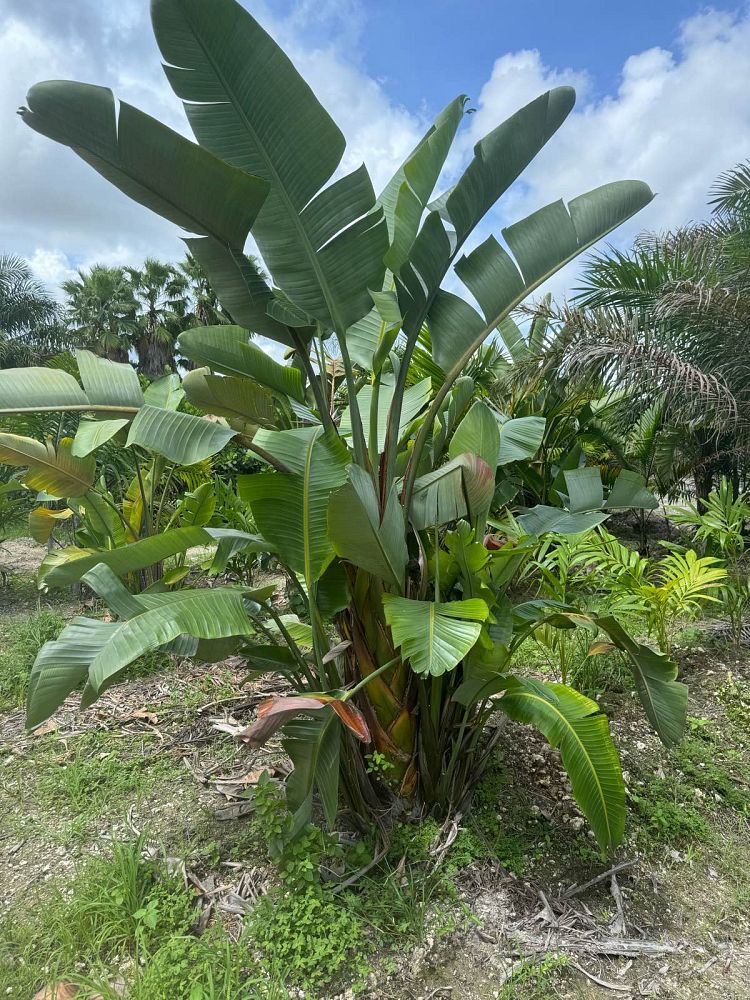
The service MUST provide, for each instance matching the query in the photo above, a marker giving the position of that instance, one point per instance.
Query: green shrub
(309, 936)
(207, 968)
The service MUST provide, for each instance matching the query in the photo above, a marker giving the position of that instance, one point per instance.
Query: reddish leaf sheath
(273, 713)
(353, 719)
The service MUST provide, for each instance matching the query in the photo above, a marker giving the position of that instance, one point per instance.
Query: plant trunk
(154, 357)
(430, 742)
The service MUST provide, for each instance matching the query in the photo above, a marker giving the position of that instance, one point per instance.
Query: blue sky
(662, 96)
(430, 50)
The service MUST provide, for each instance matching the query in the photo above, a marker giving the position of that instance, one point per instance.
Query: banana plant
(378, 488)
(73, 484)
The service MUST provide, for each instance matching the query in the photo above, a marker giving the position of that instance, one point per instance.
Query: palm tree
(29, 327)
(101, 311)
(161, 294)
(205, 308)
(669, 320)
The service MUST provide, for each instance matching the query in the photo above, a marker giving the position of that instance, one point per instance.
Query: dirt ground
(668, 917)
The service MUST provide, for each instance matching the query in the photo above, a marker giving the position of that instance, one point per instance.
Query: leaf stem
(361, 456)
(370, 677)
(313, 379)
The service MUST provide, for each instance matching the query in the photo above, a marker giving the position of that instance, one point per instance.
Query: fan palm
(101, 311)
(204, 306)
(161, 295)
(28, 315)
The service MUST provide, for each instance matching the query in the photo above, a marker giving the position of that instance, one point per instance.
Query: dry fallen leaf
(143, 714)
(232, 788)
(46, 727)
(62, 991)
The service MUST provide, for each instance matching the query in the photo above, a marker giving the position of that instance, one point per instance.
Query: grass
(82, 779)
(121, 907)
(533, 980)
(699, 778)
(734, 696)
(22, 638)
(126, 918)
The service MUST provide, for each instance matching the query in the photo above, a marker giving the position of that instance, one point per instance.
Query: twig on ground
(618, 924)
(576, 890)
(600, 982)
(627, 947)
(547, 914)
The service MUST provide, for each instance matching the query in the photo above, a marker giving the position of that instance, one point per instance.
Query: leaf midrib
(46, 464)
(306, 506)
(569, 725)
(89, 156)
(278, 186)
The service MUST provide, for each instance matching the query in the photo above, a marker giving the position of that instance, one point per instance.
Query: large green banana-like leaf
(220, 348)
(415, 398)
(405, 197)
(575, 724)
(248, 105)
(44, 520)
(541, 519)
(434, 637)
(197, 508)
(367, 336)
(520, 439)
(244, 403)
(109, 383)
(166, 392)
(502, 155)
(291, 448)
(450, 413)
(586, 505)
(291, 509)
(92, 434)
(54, 471)
(227, 349)
(146, 552)
(313, 746)
(463, 487)
(542, 243)
(240, 288)
(498, 160)
(98, 652)
(283, 379)
(100, 519)
(112, 387)
(180, 437)
(664, 698)
(586, 491)
(31, 390)
(204, 614)
(361, 537)
(63, 665)
(404, 200)
(146, 160)
(477, 434)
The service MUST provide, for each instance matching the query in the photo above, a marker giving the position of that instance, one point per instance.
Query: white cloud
(52, 267)
(51, 203)
(677, 120)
